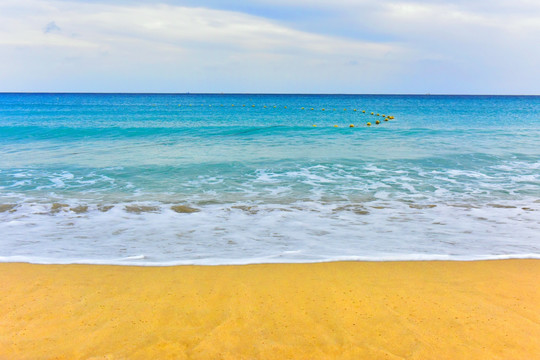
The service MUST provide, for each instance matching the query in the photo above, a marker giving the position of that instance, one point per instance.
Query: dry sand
(348, 310)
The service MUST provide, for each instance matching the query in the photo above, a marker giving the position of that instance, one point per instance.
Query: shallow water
(175, 179)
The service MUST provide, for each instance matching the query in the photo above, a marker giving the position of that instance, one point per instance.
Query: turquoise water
(98, 178)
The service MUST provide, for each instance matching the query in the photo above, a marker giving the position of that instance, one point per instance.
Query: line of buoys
(385, 117)
(377, 122)
(351, 125)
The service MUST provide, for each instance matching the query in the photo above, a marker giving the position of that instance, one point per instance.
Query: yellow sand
(349, 310)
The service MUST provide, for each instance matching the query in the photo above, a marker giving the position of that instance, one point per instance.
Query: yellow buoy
(344, 109)
(314, 125)
(179, 105)
(372, 113)
(335, 126)
(243, 105)
(274, 105)
(368, 124)
(265, 106)
(386, 119)
(378, 115)
(311, 108)
(352, 125)
(302, 108)
(364, 111)
(391, 117)
(377, 122)
(382, 115)
(285, 107)
(354, 110)
(252, 105)
(322, 109)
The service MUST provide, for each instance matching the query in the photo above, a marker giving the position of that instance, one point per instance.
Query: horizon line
(252, 93)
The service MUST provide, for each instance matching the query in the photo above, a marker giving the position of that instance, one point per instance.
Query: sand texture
(348, 310)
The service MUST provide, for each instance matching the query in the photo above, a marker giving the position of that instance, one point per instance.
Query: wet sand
(344, 310)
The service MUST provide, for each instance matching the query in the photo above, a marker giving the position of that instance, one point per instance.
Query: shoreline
(343, 310)
(138, 260)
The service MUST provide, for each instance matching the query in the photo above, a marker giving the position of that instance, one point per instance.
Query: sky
(271, 46)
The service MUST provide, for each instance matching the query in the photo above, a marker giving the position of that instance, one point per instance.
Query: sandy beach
(346, 310)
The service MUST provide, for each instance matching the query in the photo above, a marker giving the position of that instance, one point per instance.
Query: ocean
(165, 179)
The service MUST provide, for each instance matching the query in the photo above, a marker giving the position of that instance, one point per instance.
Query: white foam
(132, 261)
(243, 233)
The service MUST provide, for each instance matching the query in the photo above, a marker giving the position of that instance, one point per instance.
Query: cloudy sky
(271, 46)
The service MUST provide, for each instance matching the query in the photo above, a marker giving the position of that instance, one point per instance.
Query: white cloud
(175, 43)
(350, 46)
